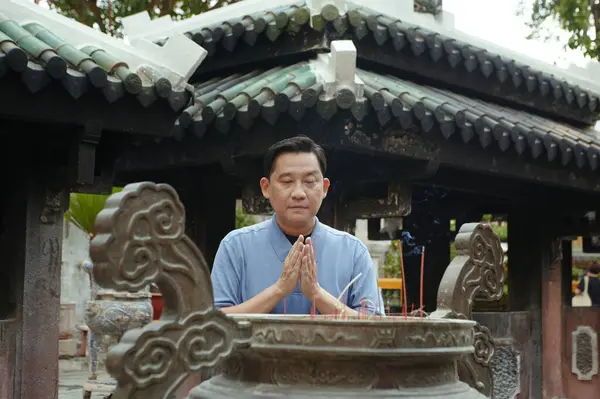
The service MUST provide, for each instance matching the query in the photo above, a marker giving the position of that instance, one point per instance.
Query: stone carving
(445, 339)
(52, 207)
(108, 315)
(328, 374)
(141, 240)
(299, 337)
(384, 338)
(506, 370)
(476, 271)
(584, 353)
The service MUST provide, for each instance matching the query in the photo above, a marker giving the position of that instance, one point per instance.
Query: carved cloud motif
(141, 240)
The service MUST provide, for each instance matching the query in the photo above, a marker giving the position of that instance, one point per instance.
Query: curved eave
(396, 44)
(295, 90)
(39, 58)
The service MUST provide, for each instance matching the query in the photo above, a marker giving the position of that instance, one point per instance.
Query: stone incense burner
(141, 240)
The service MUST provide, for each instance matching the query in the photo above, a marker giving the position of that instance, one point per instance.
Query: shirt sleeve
(365, 289)
(225, 276)
(581, 285)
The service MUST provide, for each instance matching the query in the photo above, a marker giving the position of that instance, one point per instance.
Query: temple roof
(42, 47)
(295, 89)
(386, 34)
(40, 57)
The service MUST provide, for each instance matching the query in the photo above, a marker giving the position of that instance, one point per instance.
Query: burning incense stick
(312, 260)
(404, 304)
(422, 277)
(284, 307)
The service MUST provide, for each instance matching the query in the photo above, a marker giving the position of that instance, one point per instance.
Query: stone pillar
(31, 247)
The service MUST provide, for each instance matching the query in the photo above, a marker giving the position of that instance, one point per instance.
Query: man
(292, 262)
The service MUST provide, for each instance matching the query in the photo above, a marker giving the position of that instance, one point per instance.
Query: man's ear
(326, 184)
(264, 186)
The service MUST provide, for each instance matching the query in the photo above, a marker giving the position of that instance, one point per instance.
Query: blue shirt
(250, 259)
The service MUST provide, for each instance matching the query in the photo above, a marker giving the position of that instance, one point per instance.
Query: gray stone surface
(73, 373)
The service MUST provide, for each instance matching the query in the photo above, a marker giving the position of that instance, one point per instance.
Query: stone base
(67, 348)
(224, 387)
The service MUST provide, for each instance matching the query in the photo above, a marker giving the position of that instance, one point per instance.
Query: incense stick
(404, 304)
(348, 286)
(422, 277)
(339, 298)
(312, 260)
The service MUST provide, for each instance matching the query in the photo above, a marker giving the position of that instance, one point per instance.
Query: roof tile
(404, 37)
(41, 57)
(267, 94)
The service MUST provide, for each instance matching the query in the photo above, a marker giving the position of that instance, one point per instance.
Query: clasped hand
(300, 266)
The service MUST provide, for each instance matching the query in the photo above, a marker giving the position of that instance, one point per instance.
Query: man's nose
(298, 192)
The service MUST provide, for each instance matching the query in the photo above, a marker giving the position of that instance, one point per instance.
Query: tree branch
(93, 7)
(167, 7)
(596, 13)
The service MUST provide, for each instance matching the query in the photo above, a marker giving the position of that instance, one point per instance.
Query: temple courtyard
(73, 373)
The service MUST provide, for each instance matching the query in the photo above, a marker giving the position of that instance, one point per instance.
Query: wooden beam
(366, 138)
(397, 204)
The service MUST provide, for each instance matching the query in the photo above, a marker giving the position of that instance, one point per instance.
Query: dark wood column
(530, 256)
(31, 247)
(210, 211)
(429, 224)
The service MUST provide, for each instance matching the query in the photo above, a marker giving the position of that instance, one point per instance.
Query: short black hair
(295, 144)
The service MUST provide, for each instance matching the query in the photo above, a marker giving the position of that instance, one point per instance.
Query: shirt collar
(282, 245)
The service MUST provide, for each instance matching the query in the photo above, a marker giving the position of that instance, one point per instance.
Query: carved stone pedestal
(108, 316)
(321, 357)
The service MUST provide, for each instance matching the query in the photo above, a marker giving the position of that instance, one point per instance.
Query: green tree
(83, 209)
(106, 14)
(243, 219)
(580, 19)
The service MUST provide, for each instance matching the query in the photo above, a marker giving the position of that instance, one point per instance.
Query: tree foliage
(83, 209)
(106, 14)
(580, 19)
(242, 219)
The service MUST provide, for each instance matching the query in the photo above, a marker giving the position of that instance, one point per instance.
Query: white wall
(377, 249)
(75, 282)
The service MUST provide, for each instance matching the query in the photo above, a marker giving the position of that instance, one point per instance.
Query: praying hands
(300, 266)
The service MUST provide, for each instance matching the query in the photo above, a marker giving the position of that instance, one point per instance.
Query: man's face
(296, 188)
